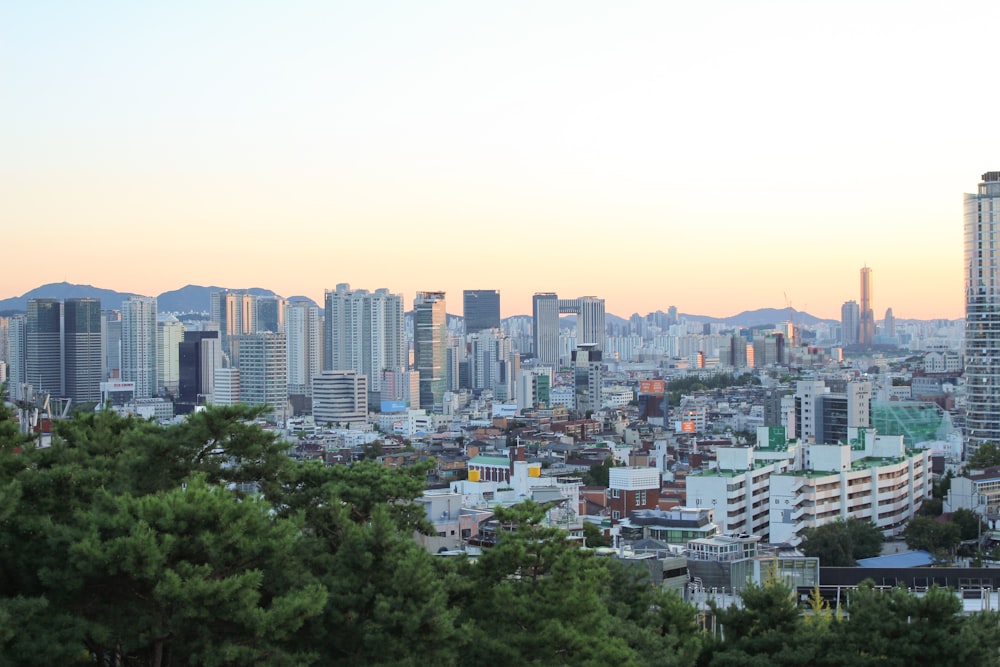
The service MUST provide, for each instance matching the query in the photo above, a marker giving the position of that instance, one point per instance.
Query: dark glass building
(84, 349)
(481, 309)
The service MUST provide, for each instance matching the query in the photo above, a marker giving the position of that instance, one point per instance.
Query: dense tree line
(127, 543)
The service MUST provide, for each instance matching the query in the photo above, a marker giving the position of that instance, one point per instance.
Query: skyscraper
(84, 348)
(430, 340)
(866, 327)
(364, 332)
(234, 311)
(139, 344)
(17, 352)
(304, 343)
(111, 322)
(590, 328)
(545, 327)
(480, 309)
(263, 372)
(198, 355)
(169, 334)
(850, 322)
(982, 313)
(43, 346)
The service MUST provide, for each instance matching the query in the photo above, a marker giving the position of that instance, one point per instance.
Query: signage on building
(684, 427)
(651, 386)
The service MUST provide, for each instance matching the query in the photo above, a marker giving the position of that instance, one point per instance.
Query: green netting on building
(916, 421)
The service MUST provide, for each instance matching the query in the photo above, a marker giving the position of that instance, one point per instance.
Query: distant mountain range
(196, 298)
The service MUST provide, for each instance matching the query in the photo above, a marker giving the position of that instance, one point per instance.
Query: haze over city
(713, 157)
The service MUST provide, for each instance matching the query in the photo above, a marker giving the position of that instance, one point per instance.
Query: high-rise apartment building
(304, 343)
(16, 356)
(84, 349)
(138, 349)
(430, 340)
(234, 312)
(890, 323)
(545, 327)
(480, 309)
(44, 346)
(850, 323)
(364, 332)
(982, 313)
(866, 327)
(111, 324)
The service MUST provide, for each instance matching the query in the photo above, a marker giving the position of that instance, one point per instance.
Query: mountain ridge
(196, 298)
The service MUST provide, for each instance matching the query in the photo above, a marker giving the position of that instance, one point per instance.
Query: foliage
(986, 455)
(593, 536)
(969, 523)
(928, 534)
(842, 543)
(127, 543)
(600, 475)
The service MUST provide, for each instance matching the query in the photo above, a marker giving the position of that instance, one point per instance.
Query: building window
(640, 498)
(616, 493)
(616, 515)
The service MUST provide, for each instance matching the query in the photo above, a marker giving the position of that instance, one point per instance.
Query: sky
(717, 157)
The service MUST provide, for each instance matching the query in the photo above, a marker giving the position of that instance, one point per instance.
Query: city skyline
(711, 157)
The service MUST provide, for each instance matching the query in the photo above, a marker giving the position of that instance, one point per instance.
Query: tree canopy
(128, 543)
(842, 543)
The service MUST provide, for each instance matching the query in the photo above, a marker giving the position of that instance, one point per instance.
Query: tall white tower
(139, 344)
(982, 313)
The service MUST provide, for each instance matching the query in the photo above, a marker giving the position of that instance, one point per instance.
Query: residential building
(303, 335)
(492, 362)
(873, 479)
(234, 312)
(16, 357)
(430, 339)
(364, 332)
(982, 313)
(111, 324)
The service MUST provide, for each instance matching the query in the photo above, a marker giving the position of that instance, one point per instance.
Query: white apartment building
(877, 481)
(777, 492)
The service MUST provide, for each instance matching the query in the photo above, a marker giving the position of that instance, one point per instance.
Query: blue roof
(903, 559)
